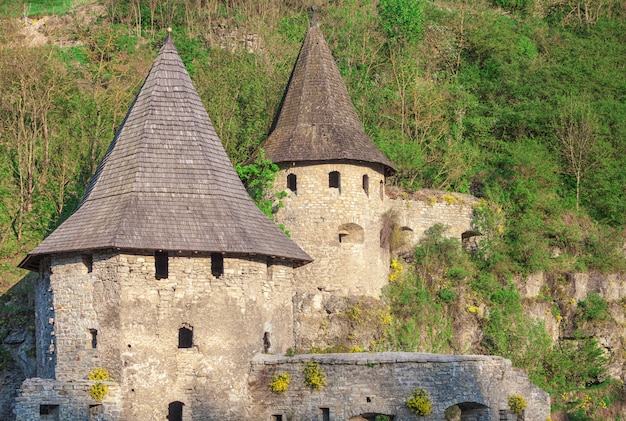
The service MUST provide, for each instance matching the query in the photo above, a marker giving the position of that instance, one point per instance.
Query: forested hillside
(521, 103)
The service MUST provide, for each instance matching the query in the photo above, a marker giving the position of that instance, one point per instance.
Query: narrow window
(277, 418)
(185, 337)
(325, 414)
(382, 189)
(366, 184)
(292, 182)
(161, 264)
(217, 265)
(334, 180)
(94, 338)
(88, 262)
(266, 342)
(175, 411)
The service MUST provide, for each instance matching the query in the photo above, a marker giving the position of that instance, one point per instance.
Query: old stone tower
(170, 278)
(167, 274)
(334, 176)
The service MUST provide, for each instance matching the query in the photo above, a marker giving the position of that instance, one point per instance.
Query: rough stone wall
(67, 401)
(338, 227)
(233, 316)
(73, 306)
(380, 383)
(229, 316)
(453, 210)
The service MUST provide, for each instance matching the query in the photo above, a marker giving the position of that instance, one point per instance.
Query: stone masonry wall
(230, 316)
(338, 227)
(243, 311)
(453, 210)
(369, 384)
(65, 400)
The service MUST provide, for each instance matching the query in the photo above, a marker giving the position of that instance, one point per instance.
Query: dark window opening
(366, 184)
(95, 412)
(49, 412)
(175, 411)
(94, 338)
(292, 182)
(277, 418)
(266, 342)
(185, 337)
(217, 265)
(334, 180)
(88, 262)
(161, 264)
(325, 414)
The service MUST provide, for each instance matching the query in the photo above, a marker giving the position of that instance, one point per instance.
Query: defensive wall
(363, 385)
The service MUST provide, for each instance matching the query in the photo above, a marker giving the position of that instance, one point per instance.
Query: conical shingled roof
(166, 183)
(317, 121)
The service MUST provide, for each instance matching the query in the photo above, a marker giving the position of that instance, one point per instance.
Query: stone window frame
(351, 233)
(366, 184)
(185, 336)
(217, 265)
(292, 183)
(161, 264)
(175, 411)
(334, 180)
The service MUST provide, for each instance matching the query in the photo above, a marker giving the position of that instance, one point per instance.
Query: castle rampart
(364, 384)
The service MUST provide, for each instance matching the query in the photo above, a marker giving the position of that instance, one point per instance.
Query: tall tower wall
(339, 227)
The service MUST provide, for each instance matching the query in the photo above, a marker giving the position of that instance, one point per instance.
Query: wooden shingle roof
(317, 120)
(166, 183)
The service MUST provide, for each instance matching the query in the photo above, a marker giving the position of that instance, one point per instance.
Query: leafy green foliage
(259, 177)
(402, 19)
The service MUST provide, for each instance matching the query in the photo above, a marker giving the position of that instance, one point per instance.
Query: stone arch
(468, 411)
(351, 233)
(469, 239)
(372, 416)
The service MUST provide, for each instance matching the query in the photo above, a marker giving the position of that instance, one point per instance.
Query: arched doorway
(467, 411)
(372, 417)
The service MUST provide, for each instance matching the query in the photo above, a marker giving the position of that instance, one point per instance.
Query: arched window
(334, 180)
(350, 233)
(175, 411)
(366, 184)
(292, 182)
(185, 337)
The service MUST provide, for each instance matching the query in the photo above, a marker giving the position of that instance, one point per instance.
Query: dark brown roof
(166, 183)
(317, 121)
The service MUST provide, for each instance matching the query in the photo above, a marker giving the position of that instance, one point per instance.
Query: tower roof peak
(317, 121)
(166, 183)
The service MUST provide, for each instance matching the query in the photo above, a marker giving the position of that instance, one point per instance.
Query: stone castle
(169, 278)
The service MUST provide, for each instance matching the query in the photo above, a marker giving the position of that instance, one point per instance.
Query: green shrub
(592, 308)
(314, 376)
(419, 402)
